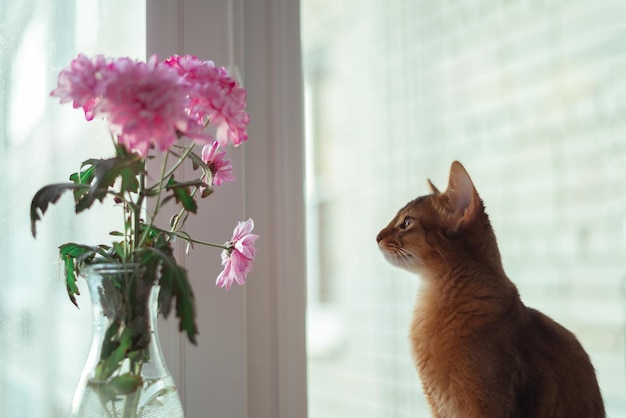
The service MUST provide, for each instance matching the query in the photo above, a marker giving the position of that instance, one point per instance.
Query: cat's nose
(379, 237)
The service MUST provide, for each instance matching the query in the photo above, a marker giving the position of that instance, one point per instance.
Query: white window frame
(250, 361)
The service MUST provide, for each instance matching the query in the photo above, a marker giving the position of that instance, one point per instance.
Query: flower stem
(195, 241)
(175, 226)
(131, 400)
(137, 239)
(181, 158)
(157, 205)
(159, 186)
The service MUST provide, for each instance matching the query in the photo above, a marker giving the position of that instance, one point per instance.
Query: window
(528, 95)
(43, 334)
(250, 358)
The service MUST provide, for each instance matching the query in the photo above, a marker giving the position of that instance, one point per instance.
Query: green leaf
(207, 191)
(111, 390)
(109, 342)
(167, 199)
(126, 167)
(175, 286)
(182, 194)
(70, 253)
(91, 184)
(175, 279)
(198, 162)
(118, 348)
(125, 384)
(118, 247)
(83, 177)
(45, 196)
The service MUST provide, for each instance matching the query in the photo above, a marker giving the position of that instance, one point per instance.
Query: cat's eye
(406, 223)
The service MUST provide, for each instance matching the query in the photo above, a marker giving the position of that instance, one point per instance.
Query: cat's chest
(435, 334)
(443, 324)
(438, 352)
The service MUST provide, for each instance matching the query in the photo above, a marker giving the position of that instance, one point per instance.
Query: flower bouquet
(154, 108)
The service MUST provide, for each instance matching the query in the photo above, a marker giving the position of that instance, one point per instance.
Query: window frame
(254, 357)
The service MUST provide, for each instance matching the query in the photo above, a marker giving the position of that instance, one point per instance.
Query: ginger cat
(479, 351)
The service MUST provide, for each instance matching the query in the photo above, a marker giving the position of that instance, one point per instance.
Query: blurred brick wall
(529, 96)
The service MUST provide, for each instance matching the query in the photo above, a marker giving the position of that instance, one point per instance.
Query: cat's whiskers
(409, 257)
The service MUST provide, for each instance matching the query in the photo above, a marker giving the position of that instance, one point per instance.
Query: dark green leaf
(109, 391)
(119, 249)
(175, 286)
(74, 250)
(182, 194)
(45, 196)
(70, 253)
(167, 199)
(125, 384)
(198, 162)
(109, 342)
(84, 177)
(112, 300)
(105, 172)
(118, 348)
(206, 191)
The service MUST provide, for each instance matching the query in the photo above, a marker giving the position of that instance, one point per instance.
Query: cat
(479, 351)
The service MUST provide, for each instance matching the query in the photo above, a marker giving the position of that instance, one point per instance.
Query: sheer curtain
(250, 359)
(44, 338)
(529, 96)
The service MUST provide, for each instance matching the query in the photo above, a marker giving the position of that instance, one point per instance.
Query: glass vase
(125, 374)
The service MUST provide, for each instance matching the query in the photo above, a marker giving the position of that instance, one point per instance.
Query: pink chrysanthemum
(145, 104)
(221, 169)
(83, 83)
(238, 259)
(216, 96)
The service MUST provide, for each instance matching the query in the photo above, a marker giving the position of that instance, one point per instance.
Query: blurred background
(531, 97)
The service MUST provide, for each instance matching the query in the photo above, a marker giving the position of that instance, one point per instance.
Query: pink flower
(221, 169)
(145, 104)
(237, 260)
(149, 105)
(216, 96)
(82, 82)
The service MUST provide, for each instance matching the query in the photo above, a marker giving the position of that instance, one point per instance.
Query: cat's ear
(463, 200)
(433, 188)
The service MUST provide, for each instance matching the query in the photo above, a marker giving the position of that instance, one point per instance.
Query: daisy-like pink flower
(221, 169)
(237, 259)
(216, 96)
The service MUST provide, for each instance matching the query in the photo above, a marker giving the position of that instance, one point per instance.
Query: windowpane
(529, 96)
(44, 338)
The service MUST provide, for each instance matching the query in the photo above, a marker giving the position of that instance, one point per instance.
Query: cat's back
(561, 381)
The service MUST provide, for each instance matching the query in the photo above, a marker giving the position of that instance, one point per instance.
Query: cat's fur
(480, 352)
